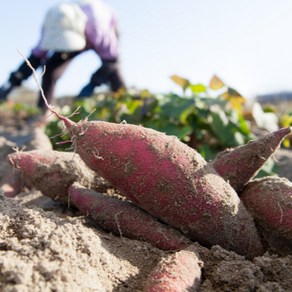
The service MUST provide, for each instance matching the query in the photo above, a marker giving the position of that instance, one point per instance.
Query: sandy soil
(45, 246)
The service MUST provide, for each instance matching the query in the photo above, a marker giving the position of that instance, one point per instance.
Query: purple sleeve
(101, 31)
(37, 51)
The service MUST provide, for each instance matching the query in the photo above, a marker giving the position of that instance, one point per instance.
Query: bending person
(70, 29)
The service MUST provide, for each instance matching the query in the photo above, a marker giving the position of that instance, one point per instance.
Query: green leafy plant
(19, 108)
(207, 118)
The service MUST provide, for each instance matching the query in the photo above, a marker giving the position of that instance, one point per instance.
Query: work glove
(24, 71)
(86, 91)
(5, 90)
(14, 80)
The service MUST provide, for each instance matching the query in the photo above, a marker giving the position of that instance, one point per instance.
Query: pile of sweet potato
(169, 195)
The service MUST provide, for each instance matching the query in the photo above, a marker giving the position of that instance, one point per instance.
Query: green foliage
(19, 108)
(207, 118)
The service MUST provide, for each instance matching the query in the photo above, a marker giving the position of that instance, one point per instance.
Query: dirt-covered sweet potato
(269, 200)
(52, 172)
(10, 182)
(179, 272)
(239, 165)
(125, 219)
(169, 180)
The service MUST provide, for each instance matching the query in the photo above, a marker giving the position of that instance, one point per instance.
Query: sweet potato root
(270, 201)
(52, 172)
(239, 165)
(177, 272)
(125, 219)
(169, 180)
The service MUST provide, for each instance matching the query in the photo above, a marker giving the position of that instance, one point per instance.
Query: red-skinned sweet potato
(11, 183)
(52, 172)
(177, 272)
(269, 200)
(125, 219)
(169, 180)
(239, 165)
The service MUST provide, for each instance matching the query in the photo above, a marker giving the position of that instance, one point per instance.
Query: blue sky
(246, 43)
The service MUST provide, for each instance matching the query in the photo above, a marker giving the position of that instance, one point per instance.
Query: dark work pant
(109, 72)
(55, 68)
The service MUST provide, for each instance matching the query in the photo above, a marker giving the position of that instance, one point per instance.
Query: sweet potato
(169, 180)
(10, 181)
(269, 200)
(52, 172)
(239, 165)
(179, 272)
(125, 219)
(6, 147)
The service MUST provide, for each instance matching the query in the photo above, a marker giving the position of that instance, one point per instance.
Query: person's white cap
(64, 29)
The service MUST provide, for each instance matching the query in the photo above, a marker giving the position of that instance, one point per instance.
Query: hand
(5, 90)
(86, 91)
